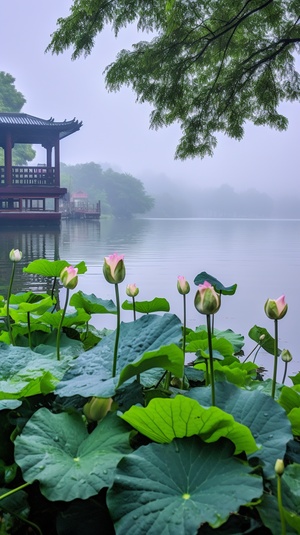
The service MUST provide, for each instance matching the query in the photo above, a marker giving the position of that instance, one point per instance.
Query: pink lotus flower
(207, 301)
(15, 255)
(132, 290)
(183, 286)
(276, 309)
(69, 278)
(114, 268)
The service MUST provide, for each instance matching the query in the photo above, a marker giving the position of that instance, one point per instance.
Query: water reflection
(262, 257)
(34, 243)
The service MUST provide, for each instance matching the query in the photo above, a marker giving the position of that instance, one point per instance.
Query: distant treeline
(121, 194)
(223, 201)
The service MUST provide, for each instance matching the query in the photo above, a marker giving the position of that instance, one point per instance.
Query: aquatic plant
(85, 447)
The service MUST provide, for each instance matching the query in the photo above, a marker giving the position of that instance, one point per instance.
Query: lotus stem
(11, 339)
(10, 492)
(284, 373)
(183, 338)
(275, 358)
(207, 381)
(280, 507)
(60, 325)
(29, 330)
(114, 369)
(211, 361)
(134, 310)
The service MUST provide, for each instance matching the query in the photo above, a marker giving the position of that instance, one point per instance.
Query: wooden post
(8, 159)
(57, 170)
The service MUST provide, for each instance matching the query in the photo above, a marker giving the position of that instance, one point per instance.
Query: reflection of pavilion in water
(34, 243)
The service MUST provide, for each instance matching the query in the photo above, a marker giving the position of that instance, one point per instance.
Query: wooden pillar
(8, 159)
(49, 155)
(57, 162)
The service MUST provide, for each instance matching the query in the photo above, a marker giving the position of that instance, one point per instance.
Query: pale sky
(115, 128)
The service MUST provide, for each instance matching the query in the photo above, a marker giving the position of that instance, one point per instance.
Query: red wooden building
(32, 192)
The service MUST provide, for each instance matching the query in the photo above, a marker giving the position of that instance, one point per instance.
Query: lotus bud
(132, 290)
(69, 278)
(286, 355)
(15, 255)
(183, 286)
(207, 301)
(276, 309)
(279, 467)
(97, 408)
(114, 268)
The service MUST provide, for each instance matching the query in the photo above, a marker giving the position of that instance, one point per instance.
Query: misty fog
(116, 129)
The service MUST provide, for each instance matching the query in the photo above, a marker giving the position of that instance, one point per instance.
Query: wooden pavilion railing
(29, 176)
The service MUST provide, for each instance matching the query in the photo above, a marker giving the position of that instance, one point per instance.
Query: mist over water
(261, 256)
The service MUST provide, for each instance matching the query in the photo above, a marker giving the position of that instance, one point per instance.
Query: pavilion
(32, 193)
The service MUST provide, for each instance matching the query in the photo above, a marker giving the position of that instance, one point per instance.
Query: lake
(261, 256)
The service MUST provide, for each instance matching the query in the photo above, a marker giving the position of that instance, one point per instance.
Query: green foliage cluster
(208, 65)
(120, 194)
(162, 459)
(12, 100)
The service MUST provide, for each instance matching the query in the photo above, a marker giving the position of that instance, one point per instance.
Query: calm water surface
(261, 256)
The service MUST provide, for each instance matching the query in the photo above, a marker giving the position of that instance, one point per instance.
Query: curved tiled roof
(26, 128)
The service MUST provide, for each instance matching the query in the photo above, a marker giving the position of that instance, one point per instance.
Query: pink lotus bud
(15, 255)
(132, 290)
(114, 268)
(183, 286)
(276, 309)
(69, 278)
(207, 301)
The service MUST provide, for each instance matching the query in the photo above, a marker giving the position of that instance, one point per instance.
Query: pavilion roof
(26, 128)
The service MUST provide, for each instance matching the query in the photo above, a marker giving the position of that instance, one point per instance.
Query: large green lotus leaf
(237, 340)
(24, 372)
(265, 387)
(158, 304)
(9, 404)
(69, 348)
(51, 268)
(23, 330)
(218, 286)
(31, 302)
(16, 388)
(268, 512)
(69, 463)
(174, 488)
(92, 304)
(236, 372)
(291, 488)
(165, 419)
(292, 520)
(91, 372)
(295, 379)
(265, 418)
(291, 481)
(169, 358)
(267, 343)
(294, 417)
(220, 347)
(20, 316)
(76, 318)
(268, 508)
(289, 399)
